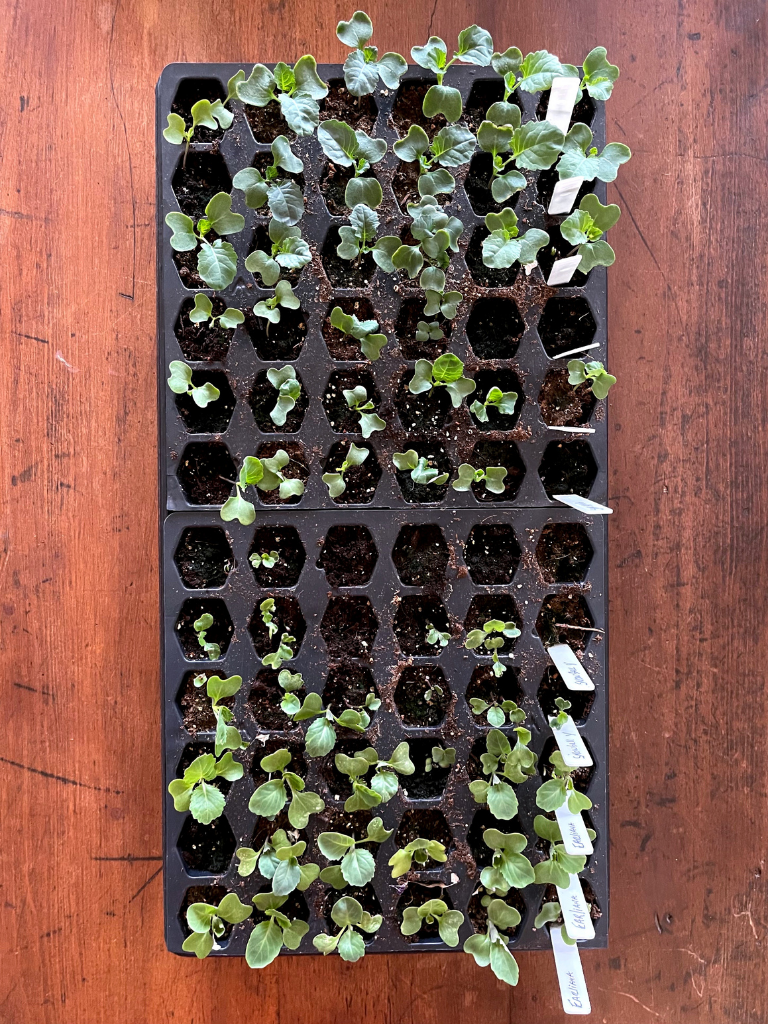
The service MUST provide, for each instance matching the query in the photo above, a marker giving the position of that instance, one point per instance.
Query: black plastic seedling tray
(199, 861)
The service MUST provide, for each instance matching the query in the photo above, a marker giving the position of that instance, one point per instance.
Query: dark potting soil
(492, 689)
(478, 914)
(206, 849)
(560, 611)
(552, 686)
(424, 824)
(414, 896)
(405, 185)
(215, 417)
(563, 405)
(285, 540)
(264, 701)
(219, 633)
(348, 686)
(487, 277)
(498, 453)
(507, 380)
(365, 896)
(267, 122)
(545, 186)
(361, 480)
(212, 894)
(415, 614)
(424, 784)
(565, 324)
(421, 556)
(347, 556)
(201, 341)
(583, 111)
(494, 328)
(407, 109)
(342, 419)
(492, 554)
(263, 399)
(186, 264)
(414, 683)
(333, 185)
(297, 469)
(287, 618)
(207, 473)
(478, 186)
(197, 182)
(344, 346)
(341, 273)
(349, 627)
(557, 249)
(434, 452)
(568, 467)
(204, 558)
(406, 325)
(281, 341)
(196, 704)
(493, 606)
(348, 823)
(483, 819)
(359, 112)
(427, 411)
(564, 552)
(482, 94)
(188, 93)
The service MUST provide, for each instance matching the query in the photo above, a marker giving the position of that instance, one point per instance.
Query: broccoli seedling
(447, 371)
(579, 372)
(269, 309)
(267, 608)
(581, 160)
(534, 145)
(357, 866)
(227, 736)
(288, 251)
(493, 476)
(558, 867)
(436, 234)
(420, 469)
(509, 868)
(271, 796)
(584, 229)
(501, 761)
(490, 948)
(320, 737)
(288, 393)
(435, 637)
(216, 261)
(485, 637)
(560, 788)
(358, 238)
(599, 75)
(357, 400)
(504, 401)
(203, 311)
(209, 115)
(431, 331)
(496, 713)
(348, 915)
(201, 627)
(355, 149)
(502, 247)
(278, 860)
(431, 912)
(180, 382)
(193, 792)
(439, 300)
(364, 331)
(283, 195)
(475, 47)
(296, 89)
(335, 482)
(266, 474)
(558, 721)
(452, 146)
(363, 66)
(441, 758)
(384, 783)
(419, 850)
(208, 922)
(268, 937)
(268, 559)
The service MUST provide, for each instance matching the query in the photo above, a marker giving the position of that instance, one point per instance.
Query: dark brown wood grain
(81, 935)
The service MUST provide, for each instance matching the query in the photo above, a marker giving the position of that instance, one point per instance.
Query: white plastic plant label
(575, 836)
(578, 923)
(570, 976)
(570, 668)
(580, 348)
(562, 97)
(564, 195)
(563, 270)
(571, 430)
(576, 501)
(568, 738)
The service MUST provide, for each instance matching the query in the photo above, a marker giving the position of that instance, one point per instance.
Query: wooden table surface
(81, 935)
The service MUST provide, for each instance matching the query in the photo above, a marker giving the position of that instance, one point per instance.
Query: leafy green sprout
(419, 850)
(384, 783)
(559, 866)
(194, 791)
(358, 238)
(283, 653)
(209, 115)
(509, 868)
(491, 637)
(227, 736)
(502, 761)
(441, 757)
(434, 912)
(268, 937)
(349, 915)
(267, 475)
(503, 401)
(201, 627)
(492, 476)
(180, 382)
(358, 401)
(320, 737)
(202, 311)
(364, 331)
(496, 713)
(439, 300)
(533, 73)
(278, 860)
(357, 866)
(601, 381)
(435, 232)
(335, 481)
(452, 146)
(560, 789)
(435, 636)
(475, 47)
(288, 252)
(296, 89)
(563, 706)
(447, 371)
(580, 159)
(584, 229)
(271, 796)
(216, 261)
(288, 393)
(363, 67)
(599, 75)
(534, 145)
(268, 559)
(490, 948)
(502, 247)
(551, 913)
(431, 331)
(434, 691)
(419, 468)
(269, 309)
(267, 608)
(208, 923)
(347, 147)
(283, 195)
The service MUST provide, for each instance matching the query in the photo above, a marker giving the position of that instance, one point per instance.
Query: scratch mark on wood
(128, 858)
(151, 878)
(128, 152)
(633, 998)
(31, 337)
(60, 778)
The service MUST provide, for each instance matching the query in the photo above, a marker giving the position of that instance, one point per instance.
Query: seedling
(534, 145)
(559, 865)
(433, 691)
(452, 146)
(364, 331)
(180, 382)
(269, 937)
(283, 195)
(431, 331)
(497, 713)
(504, 401)
(203, 311)
(419, 850)
(296, 89)
(581, 160)
(436, 233)
(355, 149)
(419, 468)
(357, 400)
(209, 922)
(357, 866)
(269, 309)
(216, 261)
(485, 637)
(201, 627)
(532, 73)
(509, 868)
(266, 474)
(194, 792)
(551, 913)
(335, 482)
(280, 862)
(209, 115)
(288, 393)
(475, 47)
(431, 912)
(584, 229)
(560, 788)
(490, 949)
(441, 758)
(384, 783)
(268, 559)
(267, 608)
(288, 252)
(435, 637)
(599, 75)
(501, 761)
(363, 67)
(492, 476)
(439, 300)
(447, 371)
(227, 736)
(558, 721)
(270, 798)
(579, 372)
(283, 653)
(359, 238)
(320, 738)
(348, 915)
(502, 247)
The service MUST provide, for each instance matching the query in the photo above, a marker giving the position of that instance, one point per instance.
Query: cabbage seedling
(364, 331)
(269, 309)
(558, 721)
(419, 468)
(490, 949)
(268, 559)
(509, 868)
(216, 261)
(201, 627)
(320, 738)
(496, 713)
(296, 89)
(560, 788)
(504, 401)
(559, 865)
(532, 73)
(447, 371)
(193, 792)
(270, 797)
(355, 149)
(359, 238)
(357, 400)
(451, 147)
(435, 637)
(535, 145)
(227, 736)
(431, 912)
(278, 860)
(384, 783)
(551, 913)
(599, 75)
(439, 300)
(348, 915)
(335, 482)
(283, 653)
(268, 937)
(436, 233)
(419, 850)
(502, 247)
(267, 608)
(209, 115)
(485, 637)
(431, 331)
(501, 761)
(266, 474)
(475, 47)
(357, 866)
(288, 393)
(208, 923)
(289, 252)
(203, 311)
(601, 380)
(180, 382)
(283, 195)
(363, 67)
(581, 160)
(493, 476)
(585, 227)
(442, 757)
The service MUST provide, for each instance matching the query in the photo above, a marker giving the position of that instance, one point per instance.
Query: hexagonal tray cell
(287, 569)
(266, 123)
(411, 313)
(545, 186)
(429, 780)
(201, 341)
(347, 686)
(206, 473)
(422, 695)
(212, 894)
(349, 626)
(568, 467)
(348, 556)
(365, 896)
(564, 552)
(478, 186)
(281, 342)
(494, 328)
(195, 704)
(405, 185)
(492, 554)
(342, 346)
(484, 92)
(566, 619)
(188, 92)
(206, 849)
(219, 633)
(264, 701)
(288, 618)
(359, 112)
(506, 380)
(559, 248)
(425, 412)
(490, 452)
(483, 819)
(415, 615)
(263, 400)
(204, 557)
(415, 895)
(407, 108)
(478, 914)
(343, 273)
(434, 451)
(583, 111)
(493, 689)
(487, 277)
(341, 418)
(361, 480)
(563, 405)
(425, 823)
(296, 469)
(565, 324)
(552, 687)
(333, 185)
(493, 606)
(198, 180)
(215, 417)
(421, 555)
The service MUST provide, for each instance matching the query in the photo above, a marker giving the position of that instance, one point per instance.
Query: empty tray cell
(421, 555)
(198, 180)
(424, 823)
(568, 467)
(422, 695)
(564, 552)
(349, 626)
(583, 111)
(566, 324)
(492, 554)
(206, 473)
(204, 557)
(566, 619)
(494, 328)
(348, 556)
(206, 849)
